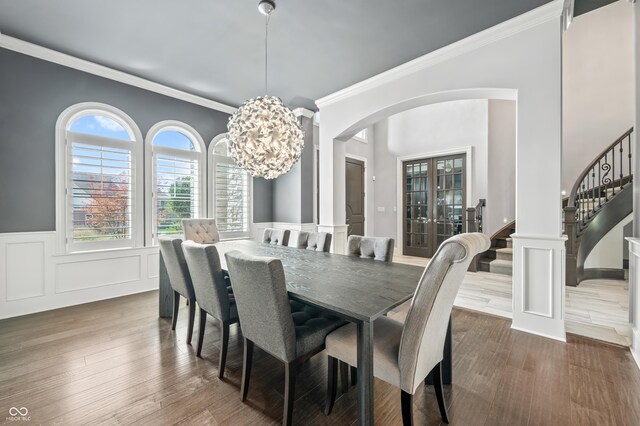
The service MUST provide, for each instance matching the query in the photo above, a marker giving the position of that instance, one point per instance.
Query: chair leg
(246, 368)
(192, 319)
(406, 400)
(223, 349)
(291, 371)
(176, 307)
(332, 384)
(203, 323)
(354, 376)
(437, 384)
(344, 376)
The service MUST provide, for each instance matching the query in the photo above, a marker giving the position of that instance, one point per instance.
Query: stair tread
(504, 249)
(502, 262)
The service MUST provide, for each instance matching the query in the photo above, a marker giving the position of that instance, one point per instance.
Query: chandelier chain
(266, 55)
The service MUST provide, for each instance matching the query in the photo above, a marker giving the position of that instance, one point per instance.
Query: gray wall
(33, 93)
(293, 191)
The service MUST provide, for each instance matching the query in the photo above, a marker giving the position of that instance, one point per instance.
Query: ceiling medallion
(265, 138)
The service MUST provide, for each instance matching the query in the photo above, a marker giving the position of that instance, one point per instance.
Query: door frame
(467, 150)
(366, 188)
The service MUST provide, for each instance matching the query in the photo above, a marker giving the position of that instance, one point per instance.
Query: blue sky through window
(174, 139)
(100, 125)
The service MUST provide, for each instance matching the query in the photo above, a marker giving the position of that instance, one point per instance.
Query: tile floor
(596, 308)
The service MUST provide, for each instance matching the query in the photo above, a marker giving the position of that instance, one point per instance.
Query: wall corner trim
(40, 52)
(540, 15)
(303, 112)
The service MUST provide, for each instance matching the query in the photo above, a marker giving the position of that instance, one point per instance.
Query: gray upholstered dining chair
(203, 231)
(319, 241)
(213, 293)
(404, 354)
(278, 237)
(298, 239)
(378, 248)
(267, 320)
(180, 279)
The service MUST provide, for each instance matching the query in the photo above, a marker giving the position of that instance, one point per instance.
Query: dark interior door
(434, 203)
(355, 196)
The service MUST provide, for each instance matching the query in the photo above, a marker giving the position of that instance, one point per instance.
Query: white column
(332, 190)
(634, 296)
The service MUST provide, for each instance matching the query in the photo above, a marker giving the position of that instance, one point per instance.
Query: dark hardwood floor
(116, 362)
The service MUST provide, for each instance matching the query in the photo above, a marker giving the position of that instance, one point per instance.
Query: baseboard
(602, 273)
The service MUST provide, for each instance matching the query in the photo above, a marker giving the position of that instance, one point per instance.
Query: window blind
(231, 198)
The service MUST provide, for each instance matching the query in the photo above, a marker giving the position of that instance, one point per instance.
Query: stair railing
(474, 224)
(474, 216)
(598, 183)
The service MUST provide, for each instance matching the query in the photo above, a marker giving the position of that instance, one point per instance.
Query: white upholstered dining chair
(405, 353)
(201, 231)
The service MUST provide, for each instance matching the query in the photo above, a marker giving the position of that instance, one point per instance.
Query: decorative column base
(539, 285)
(339, 237)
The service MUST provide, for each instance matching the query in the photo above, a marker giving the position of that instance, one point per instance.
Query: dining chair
(319, 241)
(274, 236)
(180, 279)
(203, 231)
(378, 248)
(298, 239)
(405, 353)
(213, 293)
(268, 322)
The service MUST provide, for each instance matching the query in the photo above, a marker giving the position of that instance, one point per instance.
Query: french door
(434, 202)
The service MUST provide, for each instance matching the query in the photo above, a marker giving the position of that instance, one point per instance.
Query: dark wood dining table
(356, 289)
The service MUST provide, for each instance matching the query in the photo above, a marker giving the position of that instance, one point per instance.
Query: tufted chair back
(177, 269)
(208, 279)
(370, 247)
(425, 327)
(278, 237)
(202, 231)
(319, 241)
(260, 291)
(298, 239)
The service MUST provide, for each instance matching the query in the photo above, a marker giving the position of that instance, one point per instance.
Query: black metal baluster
(621, 164)
(613, 169)
(630, 174)
(599, 184)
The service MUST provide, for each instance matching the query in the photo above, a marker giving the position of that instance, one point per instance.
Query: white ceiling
(215, 48)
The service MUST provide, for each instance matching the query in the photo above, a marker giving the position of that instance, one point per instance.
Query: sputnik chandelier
(265, 138)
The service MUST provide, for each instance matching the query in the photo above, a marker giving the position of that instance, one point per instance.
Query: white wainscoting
(33, 279)
(538, 304)
(634, 297)
(258, 228)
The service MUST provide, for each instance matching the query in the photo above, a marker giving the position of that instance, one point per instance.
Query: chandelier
(265, 138)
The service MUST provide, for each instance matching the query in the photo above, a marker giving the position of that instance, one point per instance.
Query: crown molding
(535, 17)
(303, 112)
(46, 54)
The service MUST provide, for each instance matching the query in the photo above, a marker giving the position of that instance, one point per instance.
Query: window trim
(64, 237)
(150, 182)
(211, 205)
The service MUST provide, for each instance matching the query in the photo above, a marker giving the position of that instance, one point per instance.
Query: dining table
(360, 290)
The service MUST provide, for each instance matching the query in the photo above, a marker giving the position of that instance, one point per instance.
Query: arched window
(229, 191)
(99, 203)
(177, 183)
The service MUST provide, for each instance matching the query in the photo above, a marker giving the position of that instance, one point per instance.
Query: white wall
(501, 190)
(424, 132)
(521, 60)
(598, 85)
(608, 252)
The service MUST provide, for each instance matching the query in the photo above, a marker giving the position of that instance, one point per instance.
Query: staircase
(499, 258)
(601, 197)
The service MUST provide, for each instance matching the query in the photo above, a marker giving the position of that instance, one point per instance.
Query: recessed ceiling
(215, 48)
